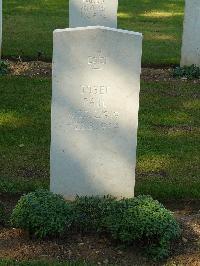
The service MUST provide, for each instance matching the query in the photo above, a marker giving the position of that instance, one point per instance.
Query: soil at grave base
(101, 250)
(44, 69)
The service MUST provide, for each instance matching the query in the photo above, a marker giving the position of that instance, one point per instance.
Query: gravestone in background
(84, 13)
(1, 11)
(95, 111)
(191, 34)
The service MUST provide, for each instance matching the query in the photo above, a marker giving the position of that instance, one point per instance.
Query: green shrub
(145, 220)
(89, 213)
(4, 68)
(137, 220)
(189, 72)
(42, 213)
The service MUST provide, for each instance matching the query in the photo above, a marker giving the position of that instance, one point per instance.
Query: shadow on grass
(159, 21)
(161, 24)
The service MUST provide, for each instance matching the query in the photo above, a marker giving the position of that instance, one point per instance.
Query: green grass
(168, 139)
(25, 133)
(28, 27)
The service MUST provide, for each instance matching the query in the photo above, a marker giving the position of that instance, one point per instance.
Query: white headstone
(0, 26)
(93, 13)
(96, 83)
(191, 34)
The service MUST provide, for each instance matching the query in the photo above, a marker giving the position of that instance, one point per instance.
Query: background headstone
(95, 111)
(1, 11)
(93, 13)
(191, 34)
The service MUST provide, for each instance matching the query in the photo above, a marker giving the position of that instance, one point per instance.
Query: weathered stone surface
(191, 34)
(93, 13)
(96, 83)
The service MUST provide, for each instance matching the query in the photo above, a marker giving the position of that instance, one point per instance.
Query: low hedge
(42, 213)
(136, 220)
(143, 220)
(90, 212)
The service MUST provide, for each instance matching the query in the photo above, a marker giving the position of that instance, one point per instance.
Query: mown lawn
(28, 27)
(168, 140)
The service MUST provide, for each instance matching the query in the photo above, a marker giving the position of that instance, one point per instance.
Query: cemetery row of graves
(102, 126)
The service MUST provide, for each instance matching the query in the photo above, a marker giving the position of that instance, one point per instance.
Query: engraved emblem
(98, 61)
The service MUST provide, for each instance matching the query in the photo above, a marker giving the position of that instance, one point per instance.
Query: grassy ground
(168, 141)
(28, 26)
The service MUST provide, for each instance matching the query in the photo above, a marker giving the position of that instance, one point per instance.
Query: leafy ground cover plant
(140, 219)
(42, 213)
(4, 68)
(89, 213)
(145, 220)
(189, 72)
(136, 220)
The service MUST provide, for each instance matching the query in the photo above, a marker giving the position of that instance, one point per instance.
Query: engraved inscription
(93, 96)
(94, 114)
(97, 61)
(93, 8)
(94, 89)
(83, 120)
(92, 102)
